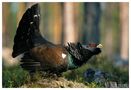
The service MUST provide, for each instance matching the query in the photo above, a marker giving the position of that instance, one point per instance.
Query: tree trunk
(108, 29)
(5, 15)
(57, 23)
(124, 17)
(91, 23)
(69, 25)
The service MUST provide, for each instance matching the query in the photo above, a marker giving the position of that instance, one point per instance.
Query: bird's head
(82, 53)
(92, 48)
(87, 51)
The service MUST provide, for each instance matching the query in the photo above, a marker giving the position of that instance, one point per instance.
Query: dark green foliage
(14, 77)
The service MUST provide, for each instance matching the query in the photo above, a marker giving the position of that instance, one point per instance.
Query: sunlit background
(105, 23)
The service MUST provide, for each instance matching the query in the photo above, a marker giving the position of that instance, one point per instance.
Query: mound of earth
(54, 83)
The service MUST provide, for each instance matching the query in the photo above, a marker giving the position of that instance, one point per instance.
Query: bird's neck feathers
(75, 63)
(71, 64)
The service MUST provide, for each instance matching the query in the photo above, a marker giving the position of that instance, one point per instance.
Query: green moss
(14, 77)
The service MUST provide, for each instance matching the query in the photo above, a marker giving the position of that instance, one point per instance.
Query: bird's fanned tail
(28, 36)
(28, 33)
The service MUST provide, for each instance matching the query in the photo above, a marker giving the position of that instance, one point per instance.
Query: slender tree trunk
(57, 23)
(108, 40)
(124, 21)
(91, 22)
(69, 30)
(5, 15)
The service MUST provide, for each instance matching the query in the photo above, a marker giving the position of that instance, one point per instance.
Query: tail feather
(30, 64)
(28, 33)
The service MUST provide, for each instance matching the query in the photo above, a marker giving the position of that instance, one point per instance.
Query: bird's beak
(99, 46)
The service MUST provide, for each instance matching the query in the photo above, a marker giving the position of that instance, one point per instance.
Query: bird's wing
(74, 51)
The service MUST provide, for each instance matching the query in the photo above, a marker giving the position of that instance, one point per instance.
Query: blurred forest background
(105, 23)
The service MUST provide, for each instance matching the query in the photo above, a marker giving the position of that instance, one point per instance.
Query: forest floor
(52, 81)
(117, 77)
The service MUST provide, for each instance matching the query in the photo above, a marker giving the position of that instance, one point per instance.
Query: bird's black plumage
(40, 54)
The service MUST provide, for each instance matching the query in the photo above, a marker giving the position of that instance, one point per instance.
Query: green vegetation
(119, 75)
(17, 77)
(14, 77)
